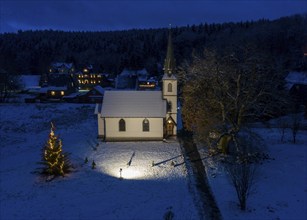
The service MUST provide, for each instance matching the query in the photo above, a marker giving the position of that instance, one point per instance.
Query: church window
(169, 87)
(169, 106)
(122, 125)
(145, 125)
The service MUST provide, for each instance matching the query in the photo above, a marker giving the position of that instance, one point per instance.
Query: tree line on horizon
(33, 51)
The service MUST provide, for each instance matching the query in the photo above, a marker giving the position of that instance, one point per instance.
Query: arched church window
(169, 106)
(169, 87)
(122, 125)
(145, 125)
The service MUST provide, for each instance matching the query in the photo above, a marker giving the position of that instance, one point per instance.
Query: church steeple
(169, 63)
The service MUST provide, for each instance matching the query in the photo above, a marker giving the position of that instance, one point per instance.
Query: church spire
(169, 63)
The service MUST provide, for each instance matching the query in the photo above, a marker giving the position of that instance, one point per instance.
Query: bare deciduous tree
(295, 125)
(282, 125)
(242, 177)
(221, 93)
(8, 85)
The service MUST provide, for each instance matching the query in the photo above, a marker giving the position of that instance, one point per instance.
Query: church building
(141, 115)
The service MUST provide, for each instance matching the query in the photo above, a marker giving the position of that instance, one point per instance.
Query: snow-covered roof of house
(54, 88)
(73, 95)
(61, 64)
(30, 81)
(127, 72)
(133, 104)
(296, 78)
(99, 89)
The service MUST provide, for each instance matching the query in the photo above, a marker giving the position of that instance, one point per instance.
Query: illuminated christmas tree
(55, 162)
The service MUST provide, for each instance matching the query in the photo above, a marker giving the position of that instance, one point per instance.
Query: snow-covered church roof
(133, 104)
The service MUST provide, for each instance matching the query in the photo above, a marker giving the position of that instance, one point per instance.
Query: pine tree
(55, 162)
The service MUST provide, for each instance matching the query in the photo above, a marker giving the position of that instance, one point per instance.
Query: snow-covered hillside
(145, 192)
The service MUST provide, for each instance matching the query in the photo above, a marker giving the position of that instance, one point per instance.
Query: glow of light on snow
(126, 173)
(131, 173)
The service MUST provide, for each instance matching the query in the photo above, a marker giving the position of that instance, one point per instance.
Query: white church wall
(174, 86)
(134, 129)
(100, 126)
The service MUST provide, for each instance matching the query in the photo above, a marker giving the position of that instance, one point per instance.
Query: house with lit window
(57, 83)
(141, 115)
(87, 79)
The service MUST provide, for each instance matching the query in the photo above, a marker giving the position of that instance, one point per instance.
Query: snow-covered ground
(280, 191)
(145, 192)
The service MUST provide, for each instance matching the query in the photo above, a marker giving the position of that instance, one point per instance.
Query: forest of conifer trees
(33, 51)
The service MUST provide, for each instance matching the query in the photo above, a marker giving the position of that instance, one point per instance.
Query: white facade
(170, 95)
(141, 115)
(133, 129)
(134, 108)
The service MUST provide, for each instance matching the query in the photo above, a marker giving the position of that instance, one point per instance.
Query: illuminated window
(169, 87)
(122, 125)
(62, 93)
(145, 125)
(52, 92)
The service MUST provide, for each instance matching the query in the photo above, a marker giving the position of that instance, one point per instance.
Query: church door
(169, 128)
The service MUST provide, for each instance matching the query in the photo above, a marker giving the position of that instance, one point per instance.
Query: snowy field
(145, 192)
(280, 191)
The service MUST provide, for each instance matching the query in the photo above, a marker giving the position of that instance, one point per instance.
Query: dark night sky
(99, 15)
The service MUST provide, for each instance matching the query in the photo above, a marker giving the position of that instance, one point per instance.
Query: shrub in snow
(242, 176)
(169, 215)
(56, 163)
(172, 163)
(241, 168)
(93, 165)
(282, 125)
(295, 125)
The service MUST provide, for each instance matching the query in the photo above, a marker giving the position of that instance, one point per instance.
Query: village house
(126, 79)
(59, 82)
(87, 79)
(95, 95)
(141, 115)
(60, 67)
